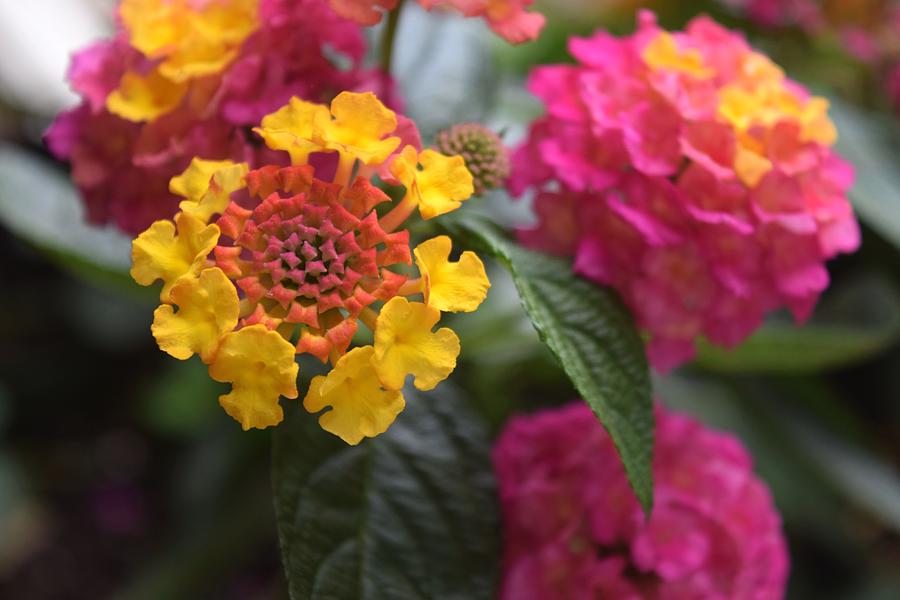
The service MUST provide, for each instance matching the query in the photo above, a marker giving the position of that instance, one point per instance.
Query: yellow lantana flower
(439, 187)
(169, 251)
(361, 407)
(405, 345)
(260, 365)
(450, 286)
(207, 309)
(298, 262)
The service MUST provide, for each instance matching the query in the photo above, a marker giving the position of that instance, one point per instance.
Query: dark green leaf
(591, 334)
(410, 514)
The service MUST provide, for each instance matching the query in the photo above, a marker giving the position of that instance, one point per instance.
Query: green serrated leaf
(591, 334)
(410, 514)
(870, 143)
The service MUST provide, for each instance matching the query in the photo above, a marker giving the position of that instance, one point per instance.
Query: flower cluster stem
(390, 33)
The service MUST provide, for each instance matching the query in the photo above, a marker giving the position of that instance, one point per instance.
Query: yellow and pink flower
(185, 78)
(263, 264)
(689, 173)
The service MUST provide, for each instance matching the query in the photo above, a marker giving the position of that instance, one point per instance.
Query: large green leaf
(853, 323)
(870, 143)
(591, 334)
(410, 514)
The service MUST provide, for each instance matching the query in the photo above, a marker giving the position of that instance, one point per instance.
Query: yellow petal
(290, 128)
(208, 308)
(161, 253)
(222, 183)
(663, 53)
(260, 365)
(453, 287)
(193, 182)
(144, 98)
(359, 127)
(360, 406)
(405, 344)
(191, 39)
(750, 166)
(440, 186)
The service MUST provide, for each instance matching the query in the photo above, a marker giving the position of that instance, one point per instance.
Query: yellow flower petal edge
(290, 128)
(208, 308)
(193, 182)
(222, 183)
(169, 251)
(450, 286)
(360, 406)
(359, 127)
(260, 365)
(440, 186)
(405, 344)
(144, 98)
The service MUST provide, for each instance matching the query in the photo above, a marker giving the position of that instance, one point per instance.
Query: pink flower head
(573, 529)
(688, 173)
(507, 18)
(122, 166)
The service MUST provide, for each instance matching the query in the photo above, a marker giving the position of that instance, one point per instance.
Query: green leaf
(855, 322)
(870, 143)
(40, 205)
(591, 334)
(410, 514)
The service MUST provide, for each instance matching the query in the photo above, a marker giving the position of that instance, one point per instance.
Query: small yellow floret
(448, 286)
(208, 308)
(359, 127)
(290, 128)
(360, 406)
(405, 344)
(260, 365)
(441, 185)
(144, 98)
(663, 54)
(169, 251)
(208, 185)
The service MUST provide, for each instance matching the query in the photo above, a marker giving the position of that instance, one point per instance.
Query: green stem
(387, 42)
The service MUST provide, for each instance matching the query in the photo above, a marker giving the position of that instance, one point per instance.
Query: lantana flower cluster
(185, 78)
(507, 18)
(262, 264)
(573, 528)
(687, 172)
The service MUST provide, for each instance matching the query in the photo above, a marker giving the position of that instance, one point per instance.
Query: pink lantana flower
(687, 172)
(122, 163)
(573, 529)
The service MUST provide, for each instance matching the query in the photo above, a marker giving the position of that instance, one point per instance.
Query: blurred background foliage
(121, 477)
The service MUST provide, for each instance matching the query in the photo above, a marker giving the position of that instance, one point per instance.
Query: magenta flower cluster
(122, 168)
(573, 529)
(687, 172)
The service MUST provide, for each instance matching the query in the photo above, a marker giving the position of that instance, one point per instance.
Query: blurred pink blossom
(573, 529)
